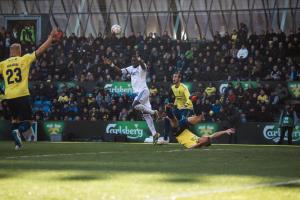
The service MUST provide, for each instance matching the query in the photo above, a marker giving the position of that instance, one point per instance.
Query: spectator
(262, 98)
(242, 53)
(210, 90)
(63, 98)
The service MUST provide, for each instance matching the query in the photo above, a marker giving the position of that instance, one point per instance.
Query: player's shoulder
(183, 86)
(130, 67)
(8, 60)
(2, 62)
(29, 55)
(173, 87)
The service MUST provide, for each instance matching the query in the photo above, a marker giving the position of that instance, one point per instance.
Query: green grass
(140, 171)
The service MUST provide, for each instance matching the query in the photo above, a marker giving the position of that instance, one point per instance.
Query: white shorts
(143, 98)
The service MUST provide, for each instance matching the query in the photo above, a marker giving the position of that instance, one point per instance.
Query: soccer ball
(116, 29)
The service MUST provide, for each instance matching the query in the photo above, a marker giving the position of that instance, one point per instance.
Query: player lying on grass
(138, 73)
(187, 138)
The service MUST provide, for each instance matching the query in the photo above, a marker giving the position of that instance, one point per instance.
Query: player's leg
(16, 134)
(167, 131)
(144, 103)
(171, 117)
(195, 119)
(13, 107)
(26, 129)
(282, 134)
(140, 101)
(25, 115)
(290, 135)
(149, 120)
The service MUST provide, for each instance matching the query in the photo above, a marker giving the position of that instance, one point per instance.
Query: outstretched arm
(220, 133)
(206, 140)
(46, 44)
(110, 63)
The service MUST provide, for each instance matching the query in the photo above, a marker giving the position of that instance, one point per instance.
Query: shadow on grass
(80, 178)
(292, 185)
(244, 161)
(181, 180)
(5, 176)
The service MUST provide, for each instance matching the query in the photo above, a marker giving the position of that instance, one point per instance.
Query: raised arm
(142, 63)
(110, 63)
(46, 44)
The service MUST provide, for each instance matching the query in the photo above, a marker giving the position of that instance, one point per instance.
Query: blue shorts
(182, 125)
(182, 113)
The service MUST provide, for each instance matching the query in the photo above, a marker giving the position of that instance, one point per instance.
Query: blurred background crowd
(270, 57)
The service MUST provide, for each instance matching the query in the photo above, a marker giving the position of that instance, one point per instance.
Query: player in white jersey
(138, 74)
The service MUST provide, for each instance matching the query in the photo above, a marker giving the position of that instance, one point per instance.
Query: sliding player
(15, 72)
(138, 72)
(187, 138)
(183, 105)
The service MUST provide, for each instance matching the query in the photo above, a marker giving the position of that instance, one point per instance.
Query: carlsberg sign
(119, 87)
(136, 131)
(272, 132)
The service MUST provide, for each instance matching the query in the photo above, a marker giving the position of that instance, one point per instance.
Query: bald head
(15, 50)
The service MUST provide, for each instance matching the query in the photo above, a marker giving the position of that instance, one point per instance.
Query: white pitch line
(96, 153)
(55, 155)
(79, 154)
(224, 190)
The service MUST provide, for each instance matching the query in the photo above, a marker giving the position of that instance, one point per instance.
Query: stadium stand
(268, 59)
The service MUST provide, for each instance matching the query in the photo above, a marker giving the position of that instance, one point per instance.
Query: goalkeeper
(187, 138)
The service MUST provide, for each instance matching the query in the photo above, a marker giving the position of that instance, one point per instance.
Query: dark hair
(179, 74)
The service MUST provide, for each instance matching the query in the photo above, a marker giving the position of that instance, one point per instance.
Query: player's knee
(135, 103)
(14, 126)
(24, 126)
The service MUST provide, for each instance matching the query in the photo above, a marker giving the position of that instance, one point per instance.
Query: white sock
(144, 109)
(149, 120)
(32, 134)
(28, 134)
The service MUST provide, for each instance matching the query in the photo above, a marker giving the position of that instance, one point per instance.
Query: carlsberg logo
(119, 87)
(132, 133)
(272, 132)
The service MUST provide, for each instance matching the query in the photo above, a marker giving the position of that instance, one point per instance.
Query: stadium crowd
(228, 57)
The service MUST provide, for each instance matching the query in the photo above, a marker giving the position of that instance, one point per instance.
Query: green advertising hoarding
(294, 89)
(53, 128)
(205, 128)
(119, 87)
(189, 85)
(136, 131)
(271, 132)
(4, 125)
(245, 85)
(65, 85)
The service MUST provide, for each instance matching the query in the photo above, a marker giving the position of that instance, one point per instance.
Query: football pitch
(143, 171)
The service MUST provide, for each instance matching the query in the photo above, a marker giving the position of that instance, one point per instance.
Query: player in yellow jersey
(186, 137)
(15, 72)
(183, 106)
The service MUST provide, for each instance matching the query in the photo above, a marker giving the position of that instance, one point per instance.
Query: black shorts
(20, 108)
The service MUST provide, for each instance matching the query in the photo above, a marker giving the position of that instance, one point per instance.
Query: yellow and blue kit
(15, 72)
